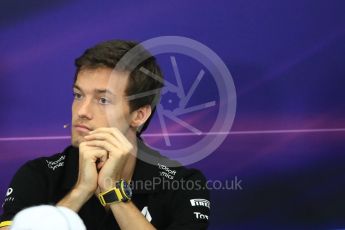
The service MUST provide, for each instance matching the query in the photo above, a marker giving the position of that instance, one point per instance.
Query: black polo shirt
(169, 197)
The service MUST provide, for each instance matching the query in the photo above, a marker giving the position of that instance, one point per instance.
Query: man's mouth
(82, 128)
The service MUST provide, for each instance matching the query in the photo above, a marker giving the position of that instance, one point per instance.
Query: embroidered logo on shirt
(166, 172)
(8, 197)
(56, 164)
(9, 191)
(200, 202)
(146, 213)
(198, 215)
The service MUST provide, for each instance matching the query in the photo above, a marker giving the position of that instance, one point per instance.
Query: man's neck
(129, 167)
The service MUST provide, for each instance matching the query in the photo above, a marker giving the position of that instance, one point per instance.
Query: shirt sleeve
(191, 203)
(26, 189)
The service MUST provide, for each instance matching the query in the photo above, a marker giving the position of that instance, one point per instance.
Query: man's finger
(116, 133)
(105, 145)
(105, 137)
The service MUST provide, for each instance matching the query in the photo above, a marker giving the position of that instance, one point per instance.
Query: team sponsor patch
(200, 216)
(56, 164)
(8, 198)
(200, 202)
(146, 213)
(9, 191)
(166, 172)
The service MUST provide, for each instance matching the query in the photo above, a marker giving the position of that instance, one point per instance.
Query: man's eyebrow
(77, 87)
(99, 91)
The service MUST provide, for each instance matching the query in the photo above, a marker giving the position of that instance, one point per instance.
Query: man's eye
(77, 96)
(104, 101)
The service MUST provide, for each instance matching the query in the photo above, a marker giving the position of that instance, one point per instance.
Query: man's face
(99, 101)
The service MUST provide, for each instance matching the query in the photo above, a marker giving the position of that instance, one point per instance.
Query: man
(111, 108)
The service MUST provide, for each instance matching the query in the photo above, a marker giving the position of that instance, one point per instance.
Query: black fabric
(47, 180)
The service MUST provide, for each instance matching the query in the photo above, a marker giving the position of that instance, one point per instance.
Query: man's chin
(75, 141)
(75, 144)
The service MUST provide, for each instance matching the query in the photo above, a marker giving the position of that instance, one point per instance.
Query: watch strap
(114, 195)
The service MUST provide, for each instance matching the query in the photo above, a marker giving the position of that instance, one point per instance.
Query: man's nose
(85, 110)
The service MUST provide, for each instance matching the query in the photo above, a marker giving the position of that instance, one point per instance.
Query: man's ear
(140, 116)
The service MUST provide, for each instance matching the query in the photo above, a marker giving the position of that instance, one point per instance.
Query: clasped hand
(102, 157)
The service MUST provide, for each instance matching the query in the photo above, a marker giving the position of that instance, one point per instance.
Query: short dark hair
(109, 53)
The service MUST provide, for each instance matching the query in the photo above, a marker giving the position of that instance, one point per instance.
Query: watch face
(127, 190)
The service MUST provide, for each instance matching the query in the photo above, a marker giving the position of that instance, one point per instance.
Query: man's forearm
(129, 217)
(74, 200)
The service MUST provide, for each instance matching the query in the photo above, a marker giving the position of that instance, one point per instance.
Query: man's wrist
(119, 205)
(107, 184)
(75, 199)
(119, 192)
(81, 194)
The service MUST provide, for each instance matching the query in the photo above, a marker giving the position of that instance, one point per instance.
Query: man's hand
(91, 159)
(118, 148)
(102, 157)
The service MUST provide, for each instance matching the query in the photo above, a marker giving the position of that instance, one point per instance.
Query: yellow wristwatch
(122, 192)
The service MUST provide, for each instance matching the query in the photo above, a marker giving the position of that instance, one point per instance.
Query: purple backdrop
(287, 62)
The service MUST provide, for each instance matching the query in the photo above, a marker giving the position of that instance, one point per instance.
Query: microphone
(66, 126)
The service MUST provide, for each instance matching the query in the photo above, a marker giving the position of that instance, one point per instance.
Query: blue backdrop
(287, 63)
